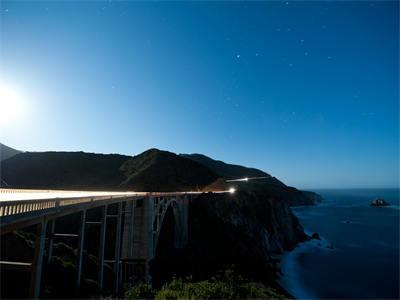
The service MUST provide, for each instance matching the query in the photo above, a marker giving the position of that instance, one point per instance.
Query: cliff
(246, 229)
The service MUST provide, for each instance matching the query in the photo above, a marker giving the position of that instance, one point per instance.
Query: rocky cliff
(246, 229)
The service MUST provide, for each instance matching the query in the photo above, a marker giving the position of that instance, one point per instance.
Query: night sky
(307, 91)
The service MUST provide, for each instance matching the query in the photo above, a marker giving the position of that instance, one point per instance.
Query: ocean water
(358, 255)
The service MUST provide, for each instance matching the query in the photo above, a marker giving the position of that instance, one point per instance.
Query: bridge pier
(118, 248)
(51, 240)
(150, 236)
(127, 236)
(36, 273)
(81, 240)
(102, 244)
(140, 241)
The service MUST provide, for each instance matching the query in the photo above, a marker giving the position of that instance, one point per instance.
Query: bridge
(139, 218)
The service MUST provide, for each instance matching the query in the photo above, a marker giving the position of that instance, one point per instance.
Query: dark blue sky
(307, 91)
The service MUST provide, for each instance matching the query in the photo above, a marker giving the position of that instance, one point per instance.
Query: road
(25, 194)
(19, 194)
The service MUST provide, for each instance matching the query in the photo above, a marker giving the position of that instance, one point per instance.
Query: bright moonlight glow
(10, 105)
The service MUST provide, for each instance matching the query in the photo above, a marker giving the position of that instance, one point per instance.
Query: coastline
(360, 234)
(291, 265)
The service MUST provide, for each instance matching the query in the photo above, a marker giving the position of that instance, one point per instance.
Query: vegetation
(156, 170)
(228, 171)
(227, 285)
(152, 170)
(70, 170)
(7, 152)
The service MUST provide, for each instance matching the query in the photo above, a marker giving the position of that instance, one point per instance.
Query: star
(238, 56)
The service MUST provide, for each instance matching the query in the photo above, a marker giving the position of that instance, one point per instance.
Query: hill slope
(156, 170)
(153, 170)
(7, 152)
(272, 186)
(228, 171)
(63, 170)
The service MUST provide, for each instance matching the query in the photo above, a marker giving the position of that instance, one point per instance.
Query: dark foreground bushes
(223, 286)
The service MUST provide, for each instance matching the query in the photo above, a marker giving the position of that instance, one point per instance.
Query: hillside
(156, 170)
(152, 170)
(227, 171)
(63, 170)
(272, 186)
(7, 152)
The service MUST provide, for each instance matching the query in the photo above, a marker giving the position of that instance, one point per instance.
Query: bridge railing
(15, 191)
(9, 208)
(15, 207)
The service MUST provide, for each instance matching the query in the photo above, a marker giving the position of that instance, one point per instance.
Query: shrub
(223, 286)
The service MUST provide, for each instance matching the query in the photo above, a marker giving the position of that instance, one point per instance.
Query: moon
(11, 106)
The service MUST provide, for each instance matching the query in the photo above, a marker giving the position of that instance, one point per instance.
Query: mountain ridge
(152, 170)
(7, 152)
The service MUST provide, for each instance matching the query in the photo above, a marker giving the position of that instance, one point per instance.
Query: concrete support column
(185, 218)
(102, 245)
(51, 240)
(131, 228)
(127, 235)
(81, 240)
(150, 235)
(118, 249)
(36, 273)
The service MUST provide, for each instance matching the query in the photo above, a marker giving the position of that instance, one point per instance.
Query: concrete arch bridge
(138, 217)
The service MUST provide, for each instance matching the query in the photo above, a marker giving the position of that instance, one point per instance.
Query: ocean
(358, 254)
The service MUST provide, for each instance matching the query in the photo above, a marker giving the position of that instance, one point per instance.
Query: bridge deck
(22, 207)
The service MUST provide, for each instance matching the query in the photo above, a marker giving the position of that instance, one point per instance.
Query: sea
(358, 254)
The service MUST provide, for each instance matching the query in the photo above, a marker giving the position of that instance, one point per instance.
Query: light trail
(246, 179)
(32, 195)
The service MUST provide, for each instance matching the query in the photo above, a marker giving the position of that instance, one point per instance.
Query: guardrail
(14, 191)
(17, 206)
(9, 208)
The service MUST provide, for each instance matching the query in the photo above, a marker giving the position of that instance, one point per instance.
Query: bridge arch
(168, 224)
